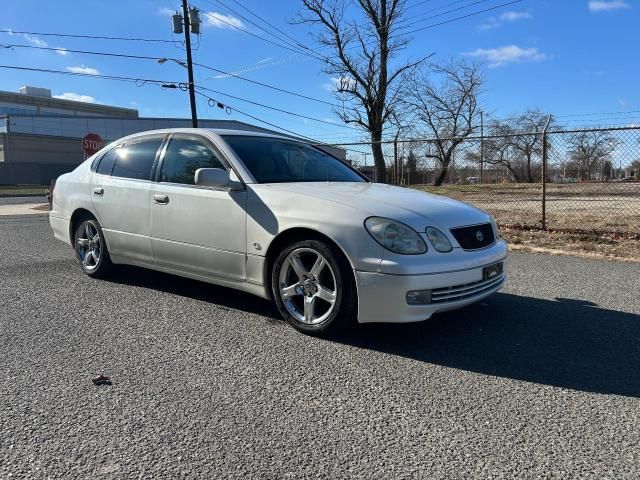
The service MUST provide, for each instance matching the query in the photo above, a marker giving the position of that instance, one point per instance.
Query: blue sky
(566, 57)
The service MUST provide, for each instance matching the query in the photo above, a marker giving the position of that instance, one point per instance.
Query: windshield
(275, 160)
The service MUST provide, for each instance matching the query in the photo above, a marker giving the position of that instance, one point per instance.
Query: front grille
(475, 236)
(461, 292)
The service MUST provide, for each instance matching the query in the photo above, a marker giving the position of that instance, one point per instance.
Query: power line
(266, 85)
(235, 27)
(87, 52)
(275, 108)
(416, 22)
(418, 4)
(95, 37)
(596, 113)
(138, 81)
(270, 24)
(259, 119)
(479, 12)
(432, 9)
(145, 57)
(285, 41)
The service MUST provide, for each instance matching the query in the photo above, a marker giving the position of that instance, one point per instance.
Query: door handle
(161, 199)
(98, 192)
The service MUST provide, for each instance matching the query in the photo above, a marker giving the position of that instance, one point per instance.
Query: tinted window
(184, 157)
(136, 158)
(107, 161)
(273, 160)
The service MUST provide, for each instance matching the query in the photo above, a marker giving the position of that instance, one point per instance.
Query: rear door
(120, 191)
(196, 229)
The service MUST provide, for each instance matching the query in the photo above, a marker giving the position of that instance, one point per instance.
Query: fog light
(419, 297)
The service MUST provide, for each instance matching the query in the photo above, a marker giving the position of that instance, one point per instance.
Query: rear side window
(183, 157)
(107, 161)
(135, 158)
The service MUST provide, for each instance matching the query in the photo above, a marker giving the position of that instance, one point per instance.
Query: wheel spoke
(96, 238)
(326, 295)
(87, 230)
(318, 266)
(290, 291)
(83, 242)
(297, 266)
(85, 260)
(309, 309)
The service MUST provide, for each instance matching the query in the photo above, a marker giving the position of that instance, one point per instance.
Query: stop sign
(91, 143)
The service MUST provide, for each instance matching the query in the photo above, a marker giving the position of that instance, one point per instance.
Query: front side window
(136, 158)
(183, 157)
(276, 160)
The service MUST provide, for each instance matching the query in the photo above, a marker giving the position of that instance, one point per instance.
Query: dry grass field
(592, 219)
(610, 207)
(23, 190)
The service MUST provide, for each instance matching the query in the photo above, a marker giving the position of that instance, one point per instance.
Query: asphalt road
(541, 380)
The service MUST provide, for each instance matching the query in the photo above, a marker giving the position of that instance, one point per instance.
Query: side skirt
(252, 288)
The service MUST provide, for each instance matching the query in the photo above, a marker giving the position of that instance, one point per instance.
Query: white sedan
(281, 219)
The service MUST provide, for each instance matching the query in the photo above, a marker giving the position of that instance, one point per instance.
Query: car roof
(217, 131)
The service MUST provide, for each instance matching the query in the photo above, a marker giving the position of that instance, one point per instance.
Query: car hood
(413, 207)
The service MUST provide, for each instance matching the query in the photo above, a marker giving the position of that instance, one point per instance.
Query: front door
(195, 229)
(120, 191)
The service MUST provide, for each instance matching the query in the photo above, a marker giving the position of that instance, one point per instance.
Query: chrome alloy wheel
(88, 246)
(307, 286)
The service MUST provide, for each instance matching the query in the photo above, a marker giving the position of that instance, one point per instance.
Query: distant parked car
(281, 219)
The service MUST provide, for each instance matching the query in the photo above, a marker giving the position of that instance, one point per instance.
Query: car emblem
(479, 236)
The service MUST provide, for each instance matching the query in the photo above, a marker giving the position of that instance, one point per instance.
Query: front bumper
(382, 297)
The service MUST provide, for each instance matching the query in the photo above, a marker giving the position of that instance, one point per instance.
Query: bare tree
(496, 151)
(516, 144)
(589, 147)
(445, 101)
(362, 47)
(525, 142)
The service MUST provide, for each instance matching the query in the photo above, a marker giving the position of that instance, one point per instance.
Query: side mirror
(212, 177)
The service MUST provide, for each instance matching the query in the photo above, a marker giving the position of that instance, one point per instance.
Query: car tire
(313, 288)
(91, 248)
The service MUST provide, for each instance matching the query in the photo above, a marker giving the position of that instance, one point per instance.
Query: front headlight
(395, 236)
(439, 240)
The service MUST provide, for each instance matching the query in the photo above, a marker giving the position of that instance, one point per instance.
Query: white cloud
(219, 20)
(335, 83)
(511, 16)
(37, 42)
(33, 40)
(165, 12)
(607, 6)
(83, 69)
(497, 57)
(76, 97)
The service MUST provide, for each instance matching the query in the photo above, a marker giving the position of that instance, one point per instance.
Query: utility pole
(191, 23)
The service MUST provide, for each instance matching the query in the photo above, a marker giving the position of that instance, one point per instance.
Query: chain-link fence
(589, 181)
